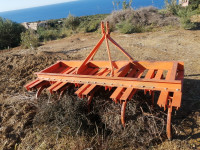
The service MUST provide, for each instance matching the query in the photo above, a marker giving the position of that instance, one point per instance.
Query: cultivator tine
(127, 77)
(63, 89)
(89, 101)
(169, 117)
(123, 111)
(39, 91)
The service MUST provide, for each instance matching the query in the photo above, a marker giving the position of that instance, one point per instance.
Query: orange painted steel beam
(121, 49)
(108, 50)
(152, 84)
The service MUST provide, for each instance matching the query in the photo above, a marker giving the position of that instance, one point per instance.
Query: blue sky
(7, 5)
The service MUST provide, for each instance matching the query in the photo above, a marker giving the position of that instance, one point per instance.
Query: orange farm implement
(126, 77)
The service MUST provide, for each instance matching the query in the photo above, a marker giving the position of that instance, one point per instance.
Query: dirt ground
(18, 65)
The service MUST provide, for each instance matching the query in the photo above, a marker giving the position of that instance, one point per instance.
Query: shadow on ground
(186, 120)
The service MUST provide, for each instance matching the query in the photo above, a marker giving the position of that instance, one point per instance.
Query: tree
(9, 33)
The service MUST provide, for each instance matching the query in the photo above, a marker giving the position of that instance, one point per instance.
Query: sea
(76, 8)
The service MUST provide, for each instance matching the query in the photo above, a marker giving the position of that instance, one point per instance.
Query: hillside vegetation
(10, 33)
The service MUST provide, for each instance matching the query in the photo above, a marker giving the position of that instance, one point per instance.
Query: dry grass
(68, 119)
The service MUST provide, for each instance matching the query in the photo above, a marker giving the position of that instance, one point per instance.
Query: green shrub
(92, 26)
(64, 32)
(9, 33)
(184, 13)
(194, 4)
(71, 22)
(186, 23)
(47, 35)
(172, 7)
(29, 39)
(90, 23)
(127, 27)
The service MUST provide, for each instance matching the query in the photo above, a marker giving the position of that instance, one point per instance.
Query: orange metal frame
(127, 77)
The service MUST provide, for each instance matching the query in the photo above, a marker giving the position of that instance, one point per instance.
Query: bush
(9, 33)
(194, 4)
(71, 22)
(143, 19)
(184, 13)
(92, 26)
(172, 7)
(90, 23)
(64, 32)
(29, 39)
(47, 35)
(127, 28)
